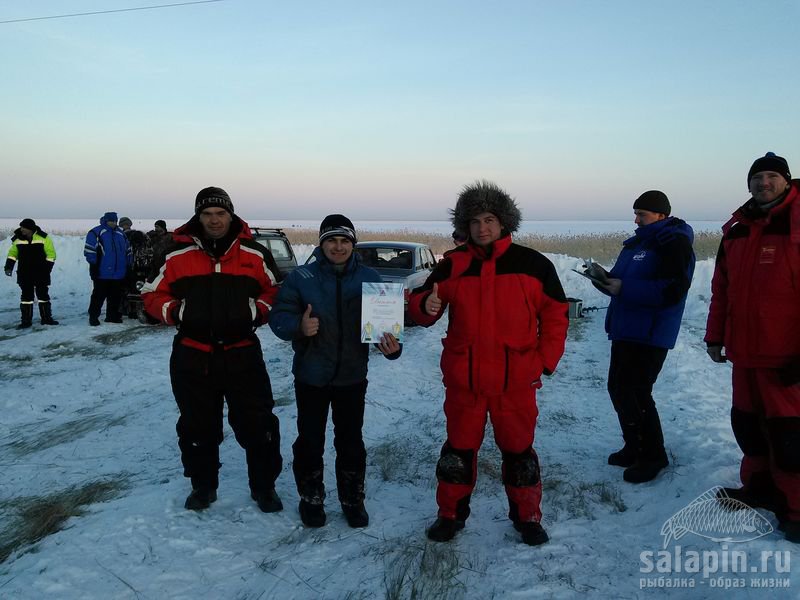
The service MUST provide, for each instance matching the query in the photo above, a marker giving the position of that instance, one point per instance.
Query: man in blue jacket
(318, 309)
(109, 255)
(648, 287)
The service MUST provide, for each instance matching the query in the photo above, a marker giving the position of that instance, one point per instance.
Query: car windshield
(386, 258)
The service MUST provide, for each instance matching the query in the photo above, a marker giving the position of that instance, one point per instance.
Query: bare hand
(309, 325)
(433, 304)
(715, 352)
(388, 344)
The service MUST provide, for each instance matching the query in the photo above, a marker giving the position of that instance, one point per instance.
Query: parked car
(278, 244)
(408, 263)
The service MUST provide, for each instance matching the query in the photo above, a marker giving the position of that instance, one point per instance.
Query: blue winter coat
(656, 267)
(336, 355)
(107, 251)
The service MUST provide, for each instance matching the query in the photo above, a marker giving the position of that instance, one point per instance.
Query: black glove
(8, 272)
(789, 374)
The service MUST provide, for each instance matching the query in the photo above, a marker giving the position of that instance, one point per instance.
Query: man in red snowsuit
(507, 326)
(755, 316)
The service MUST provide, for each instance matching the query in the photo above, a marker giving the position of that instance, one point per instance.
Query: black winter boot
(645, 469)
(46, 313)
(444, 529)
(625, 457)
(350, 486)
(532, 532)
(26, 320)
(200, 499)
(356, 515)
(268, 500)
(760, 492)
(312, 515)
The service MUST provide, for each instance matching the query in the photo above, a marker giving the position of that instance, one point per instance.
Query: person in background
(459, 239)
(141, 265)
(648, 286)
(159, 238)
(33, 253)
(507, 327)
(319, 310)
(109, 256)
(217, 285)
(754, 322)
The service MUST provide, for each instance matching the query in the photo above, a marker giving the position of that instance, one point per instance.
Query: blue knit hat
(109, 216)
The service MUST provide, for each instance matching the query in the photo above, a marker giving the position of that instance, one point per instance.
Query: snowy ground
(83, 405)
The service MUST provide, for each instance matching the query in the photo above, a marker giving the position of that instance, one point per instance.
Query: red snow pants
(766, 422)
(513, 417)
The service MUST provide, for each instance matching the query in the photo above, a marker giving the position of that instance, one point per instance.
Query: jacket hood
(481, 197)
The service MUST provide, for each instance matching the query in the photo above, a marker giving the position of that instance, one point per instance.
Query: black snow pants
(632, 373)
(201, 381)
(347, 407)
(108, 291)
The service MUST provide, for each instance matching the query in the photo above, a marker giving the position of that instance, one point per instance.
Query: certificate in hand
(382, 307)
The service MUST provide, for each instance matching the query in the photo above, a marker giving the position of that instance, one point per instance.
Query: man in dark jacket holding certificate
(648, 287)
(318, 309)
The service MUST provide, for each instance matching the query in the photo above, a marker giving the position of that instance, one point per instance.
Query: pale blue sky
(386, 109)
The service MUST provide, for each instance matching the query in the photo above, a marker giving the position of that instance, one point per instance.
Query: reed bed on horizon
(603, 247)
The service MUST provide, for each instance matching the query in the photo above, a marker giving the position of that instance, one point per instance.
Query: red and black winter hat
(212, 197)
(770, 162)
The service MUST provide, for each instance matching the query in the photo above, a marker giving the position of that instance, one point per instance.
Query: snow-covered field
(83, 405)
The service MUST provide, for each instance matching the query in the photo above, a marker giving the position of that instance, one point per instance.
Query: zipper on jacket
(339, 340)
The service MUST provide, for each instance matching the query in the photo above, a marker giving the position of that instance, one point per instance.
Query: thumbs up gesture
(309, 325)
(433, 304)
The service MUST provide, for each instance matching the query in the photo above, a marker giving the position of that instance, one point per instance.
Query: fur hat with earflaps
(485, 196)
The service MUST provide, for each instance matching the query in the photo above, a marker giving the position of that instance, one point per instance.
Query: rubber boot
(46, 313)
(27, 315)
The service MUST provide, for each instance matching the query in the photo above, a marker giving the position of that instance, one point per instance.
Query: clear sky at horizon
(385, 110)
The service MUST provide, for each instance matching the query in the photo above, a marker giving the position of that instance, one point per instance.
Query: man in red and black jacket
(507, 326)
(754, 322)
(217, 285)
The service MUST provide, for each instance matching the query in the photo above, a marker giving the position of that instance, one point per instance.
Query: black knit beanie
(654, 201)
(770, 162)
(212, 197)
(337, 225)
(28, 224)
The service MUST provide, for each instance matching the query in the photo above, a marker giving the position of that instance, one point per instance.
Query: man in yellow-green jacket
(33, 252)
